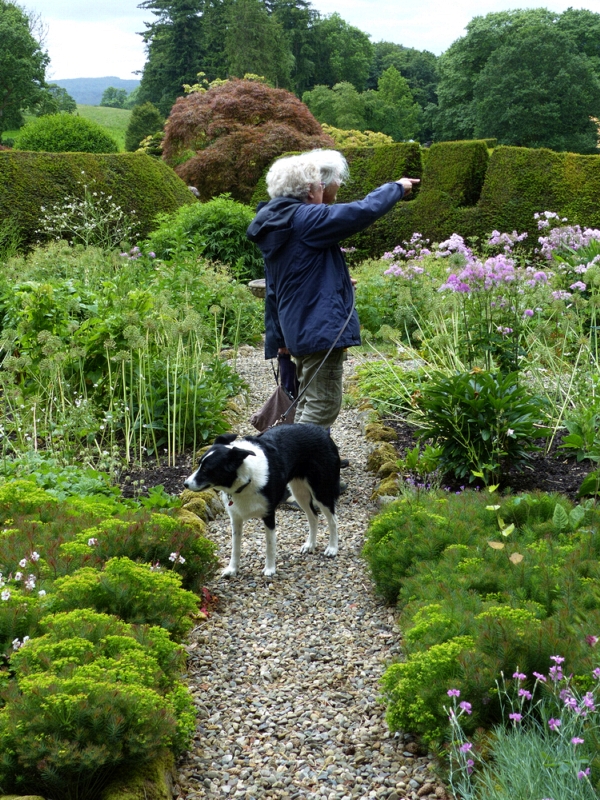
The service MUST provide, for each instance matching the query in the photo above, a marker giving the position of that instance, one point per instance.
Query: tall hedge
(466, 190)
(30, 181)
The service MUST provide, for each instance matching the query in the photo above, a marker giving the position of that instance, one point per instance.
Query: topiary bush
(145, 120)
(215, 230)
(65, 133)
(31, 182)
(221, 140)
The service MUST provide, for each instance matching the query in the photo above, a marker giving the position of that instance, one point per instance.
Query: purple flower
(540, 677)
(470, 764)
(528, 312)
(515, 717)
(583, 773)
(557, 659)
(580, 285)
(520, 676)
(554, 724)
(596, 673)
(151, 255)
(556, 673)
(464, 748)
(577, 740)
(524, 693)
(466, 707)
(453, 692)
(592, 640)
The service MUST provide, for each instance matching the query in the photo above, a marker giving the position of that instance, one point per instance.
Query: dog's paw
(229, 572)
(268, 572)
(330, 551)
(308, 547)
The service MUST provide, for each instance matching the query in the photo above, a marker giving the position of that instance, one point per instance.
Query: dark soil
(548, 473)
(551, 472)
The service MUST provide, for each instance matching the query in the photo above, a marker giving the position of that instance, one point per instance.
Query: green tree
(54, 100)
(175, 47)
(419, 67)
(22, 65)
(526, 95)
(500, 40)
(145, 120)
(256, 43)
(297, 18)
(392, 109)
(132, 98)
(343, 53)
(342, 106)
(113, 98)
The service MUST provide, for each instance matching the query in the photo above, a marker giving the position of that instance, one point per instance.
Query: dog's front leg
(237, 524)
(269, 523)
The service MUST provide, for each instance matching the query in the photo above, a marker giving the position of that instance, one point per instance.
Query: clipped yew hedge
(468, 190)
(137, 182)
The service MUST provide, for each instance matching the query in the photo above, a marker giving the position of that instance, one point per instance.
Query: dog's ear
(225, 438)
(240, 455)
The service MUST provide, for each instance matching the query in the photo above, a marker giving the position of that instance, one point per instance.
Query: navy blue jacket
(309, 293)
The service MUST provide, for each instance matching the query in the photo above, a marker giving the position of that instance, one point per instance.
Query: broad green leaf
(560, 519)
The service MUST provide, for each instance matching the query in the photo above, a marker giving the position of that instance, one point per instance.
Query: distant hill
(89, 91)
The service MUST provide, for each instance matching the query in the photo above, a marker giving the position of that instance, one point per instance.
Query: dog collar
(238, 491)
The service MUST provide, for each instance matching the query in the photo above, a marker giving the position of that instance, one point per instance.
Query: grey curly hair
(292, 176)
(332, 165)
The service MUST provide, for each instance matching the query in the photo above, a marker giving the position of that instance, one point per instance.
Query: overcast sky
(88, 39)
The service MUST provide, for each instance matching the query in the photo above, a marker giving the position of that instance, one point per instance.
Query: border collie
(255, 472)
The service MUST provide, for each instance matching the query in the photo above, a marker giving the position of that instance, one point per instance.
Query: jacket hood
(272, 225)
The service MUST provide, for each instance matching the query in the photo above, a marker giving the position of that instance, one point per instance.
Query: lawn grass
(115, 120)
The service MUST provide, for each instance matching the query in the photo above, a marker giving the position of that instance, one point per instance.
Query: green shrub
(215, 230)
(518, 578)
(91, 695)
(145, 120)
(484, 423)
(136, 593)
(31, 182)
(65, 133)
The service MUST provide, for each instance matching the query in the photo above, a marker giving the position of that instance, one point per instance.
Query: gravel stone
(285, 672)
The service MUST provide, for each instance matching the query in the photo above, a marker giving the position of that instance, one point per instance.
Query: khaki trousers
(321, 403)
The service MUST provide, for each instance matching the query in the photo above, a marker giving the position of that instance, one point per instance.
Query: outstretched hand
(407, 184)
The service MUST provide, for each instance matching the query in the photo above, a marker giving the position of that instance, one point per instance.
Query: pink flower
(520, 676)
(557, 659)
(592, 640)
(554, 724)
(540, 677)
(466, 707)
(470, 764)
(515, 717)
(453, 693)
(464, 748)
(577, 740)
(583, 773)
(596, 673)
(524, 693)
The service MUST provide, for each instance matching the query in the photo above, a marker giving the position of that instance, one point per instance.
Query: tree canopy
(525, 78)
(113, 98)
(22, 65)
(222, 139)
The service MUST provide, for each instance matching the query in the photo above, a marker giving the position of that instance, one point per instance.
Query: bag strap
(281, 419)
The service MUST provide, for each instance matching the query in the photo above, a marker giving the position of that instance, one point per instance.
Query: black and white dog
(255, 471)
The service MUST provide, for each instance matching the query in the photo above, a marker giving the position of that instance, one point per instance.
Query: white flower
(23, 562)
(5, 595)
(42, 593)
(181, 560)
(173, 557)
(18, 576)
(35, 556)
(92, 542)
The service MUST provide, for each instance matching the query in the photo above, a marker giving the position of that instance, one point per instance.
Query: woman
(309, 294)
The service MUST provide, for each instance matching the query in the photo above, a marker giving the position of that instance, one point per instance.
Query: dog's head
(219, 466)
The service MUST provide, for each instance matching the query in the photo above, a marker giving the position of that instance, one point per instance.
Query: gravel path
(285, 672)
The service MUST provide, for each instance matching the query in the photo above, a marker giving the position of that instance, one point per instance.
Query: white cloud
(93, 50)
